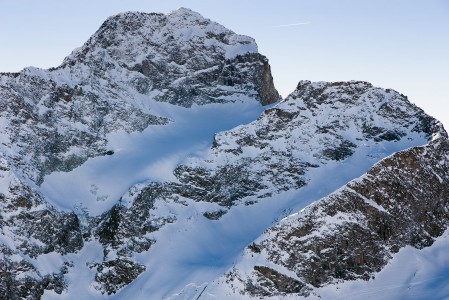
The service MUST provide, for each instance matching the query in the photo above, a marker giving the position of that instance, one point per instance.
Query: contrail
(293, 24)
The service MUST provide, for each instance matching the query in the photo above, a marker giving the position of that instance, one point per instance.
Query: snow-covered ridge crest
(320, 122)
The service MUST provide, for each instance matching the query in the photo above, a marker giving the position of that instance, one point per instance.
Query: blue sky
(399, 44)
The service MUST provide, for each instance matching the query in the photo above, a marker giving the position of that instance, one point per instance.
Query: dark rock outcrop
(21, 280)
(114, 274)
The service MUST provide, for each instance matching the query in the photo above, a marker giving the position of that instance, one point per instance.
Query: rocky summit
(159, 161)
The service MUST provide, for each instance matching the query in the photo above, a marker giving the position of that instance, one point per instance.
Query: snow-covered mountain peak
(131, 37)
(358, 109)
(179, 57)
(185, 11)
(315, 94)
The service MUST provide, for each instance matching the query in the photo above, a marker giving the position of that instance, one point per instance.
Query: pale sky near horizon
(398, 44)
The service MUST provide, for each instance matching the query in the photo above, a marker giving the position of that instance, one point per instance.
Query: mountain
(159, 156)
(54, 120)
(109, 83)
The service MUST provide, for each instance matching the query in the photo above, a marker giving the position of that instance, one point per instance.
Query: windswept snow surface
(149, 155)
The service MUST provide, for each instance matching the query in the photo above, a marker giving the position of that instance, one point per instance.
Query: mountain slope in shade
(352, 233)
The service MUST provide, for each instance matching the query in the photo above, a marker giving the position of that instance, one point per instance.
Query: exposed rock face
(52, 126)
(114, 274)
(125, 229)
(21, 280)
(29, 228)
(351, 234)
